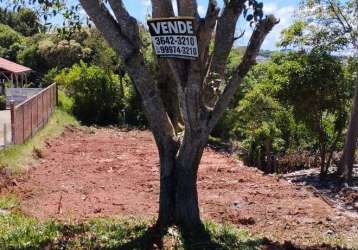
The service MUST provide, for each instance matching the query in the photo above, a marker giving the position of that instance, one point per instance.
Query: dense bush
(96, 94)
(24, 21)
(99, 96)
(295, 102)
(2, 102)
(63, 53)
(8, 36)
(10, 42)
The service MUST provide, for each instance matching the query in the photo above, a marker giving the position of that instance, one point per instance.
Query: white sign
(174, 38)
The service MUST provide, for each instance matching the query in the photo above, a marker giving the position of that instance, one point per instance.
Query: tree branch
(340, 17)
(134, 65)
(188, 8)
(206, 29)
(181, 96)
(162, 8)
(109, 27)
(255, 43)
(169, 71)
(225, 35)
(127, 24)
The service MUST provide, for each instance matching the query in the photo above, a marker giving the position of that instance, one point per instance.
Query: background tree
(333, 26)
(316, 90)
(25, 21)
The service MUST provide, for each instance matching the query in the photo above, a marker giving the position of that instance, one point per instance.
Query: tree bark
(167, 186)
(323, 174)
(166, 83)
(348, 157)
(187, 205)
(268, 149)
(178, 189)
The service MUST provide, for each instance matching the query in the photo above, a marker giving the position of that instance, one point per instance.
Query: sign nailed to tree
(174, 38)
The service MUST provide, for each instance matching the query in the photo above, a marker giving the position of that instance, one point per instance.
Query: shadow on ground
(146, 242)
(152, 240)
(331, 190)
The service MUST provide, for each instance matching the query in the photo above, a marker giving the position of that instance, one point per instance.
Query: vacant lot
(106, 172)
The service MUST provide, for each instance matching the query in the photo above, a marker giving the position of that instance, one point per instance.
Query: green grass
(15, 157)
(65, 102)
(9, 202)
(18, 231)
(228, 236)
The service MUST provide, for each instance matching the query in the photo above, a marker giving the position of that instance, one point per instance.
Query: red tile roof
(13, 67)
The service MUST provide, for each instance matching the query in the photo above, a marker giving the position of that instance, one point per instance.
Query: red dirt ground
(106, 172)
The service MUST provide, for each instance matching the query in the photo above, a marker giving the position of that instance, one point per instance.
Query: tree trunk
(167, 186)
(187, 205)
(178, 189)
(268, 150)
(323, 162)
(347, 161)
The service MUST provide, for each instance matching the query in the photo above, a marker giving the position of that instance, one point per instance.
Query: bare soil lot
(108, 172)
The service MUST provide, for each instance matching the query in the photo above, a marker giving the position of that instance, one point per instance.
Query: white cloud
(175, 6)
(284, 14)
(146, 3)
(202, 10)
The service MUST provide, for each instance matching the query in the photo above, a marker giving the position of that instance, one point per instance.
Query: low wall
(19, 95)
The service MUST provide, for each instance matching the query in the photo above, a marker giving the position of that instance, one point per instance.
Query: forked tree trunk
(178, 203)
(348, 157)
(180, 156)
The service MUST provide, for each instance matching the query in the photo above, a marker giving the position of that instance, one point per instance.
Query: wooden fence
(32, 114)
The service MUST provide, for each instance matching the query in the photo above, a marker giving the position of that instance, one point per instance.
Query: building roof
(13, 67)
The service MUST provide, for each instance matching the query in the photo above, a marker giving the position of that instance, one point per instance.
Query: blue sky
(282, 9)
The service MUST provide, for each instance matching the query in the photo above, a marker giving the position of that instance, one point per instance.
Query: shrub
(10, 42)
(2, 102)
(8, 36)
(95, 92)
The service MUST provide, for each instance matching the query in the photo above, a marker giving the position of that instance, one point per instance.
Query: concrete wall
(20, 94)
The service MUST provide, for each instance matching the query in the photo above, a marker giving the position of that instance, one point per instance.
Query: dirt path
(106, 172)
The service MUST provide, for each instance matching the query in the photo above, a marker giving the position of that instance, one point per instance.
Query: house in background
(17, 76)
(27, 109)
(14, 73)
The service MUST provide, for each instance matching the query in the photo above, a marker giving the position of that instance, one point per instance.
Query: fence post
(23, 123)
(43, 108)
(12, 111)
(31, 104)
(56, 94)
(5, 134)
